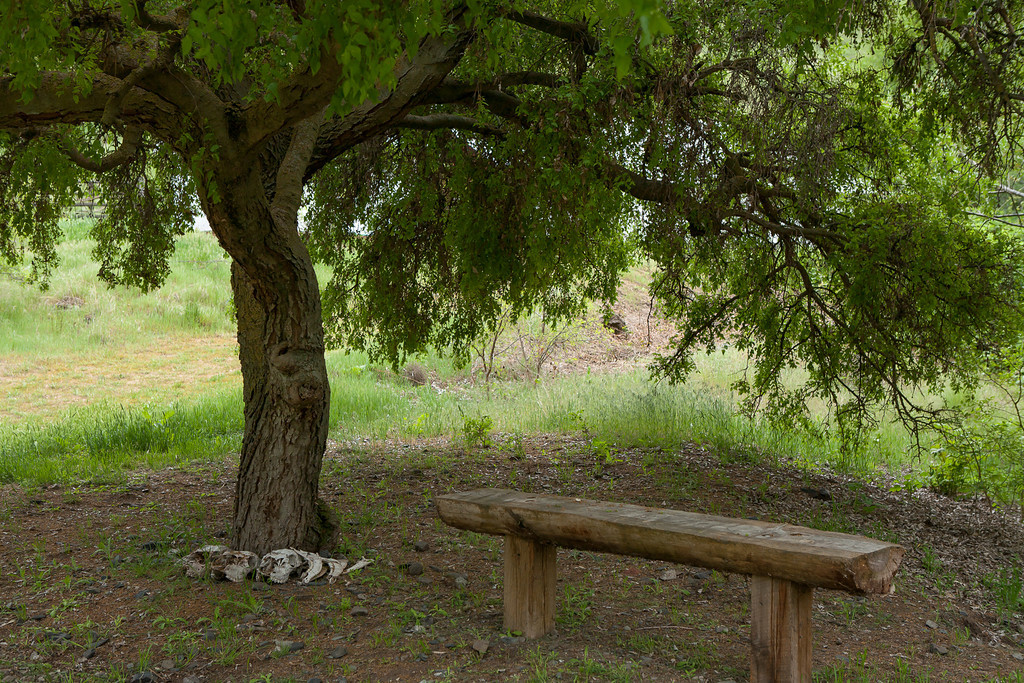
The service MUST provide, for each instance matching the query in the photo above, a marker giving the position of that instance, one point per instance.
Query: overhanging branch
(448, 122)
(125, 152)
(572, 32)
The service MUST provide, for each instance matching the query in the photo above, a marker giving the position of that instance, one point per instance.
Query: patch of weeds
(62, 607)
(476, 431)
(1005, 588)
(696, 656)
(851, 609)
(854, 671)
(587, 669)
(577, 605)
(644, 643)
(248, 604)
(537, 663)
(182, 646)
(930, 563)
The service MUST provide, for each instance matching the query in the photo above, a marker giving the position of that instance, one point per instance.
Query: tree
(792, 168)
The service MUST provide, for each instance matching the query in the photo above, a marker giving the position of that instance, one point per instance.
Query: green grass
(65, 338)
(79, 313)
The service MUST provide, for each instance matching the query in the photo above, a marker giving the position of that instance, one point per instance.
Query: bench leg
(780, 631)
(529, 586)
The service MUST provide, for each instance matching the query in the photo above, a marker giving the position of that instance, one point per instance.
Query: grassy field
(131, 404)
(97, 380)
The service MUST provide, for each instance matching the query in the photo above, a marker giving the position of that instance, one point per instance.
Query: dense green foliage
(801, 173)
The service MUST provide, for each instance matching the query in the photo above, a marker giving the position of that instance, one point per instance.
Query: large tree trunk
(287, 404)
(284, 376)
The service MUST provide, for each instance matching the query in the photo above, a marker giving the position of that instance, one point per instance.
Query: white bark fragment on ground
(234, 565)
(314, 566)
(335, 568)
(197, 562)
(278, 565)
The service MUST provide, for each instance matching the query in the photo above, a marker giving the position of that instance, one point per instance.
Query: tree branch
(576, 33)
(122, 155)
(306, 93)
(288, 189)
(435, 59)
(160, 23)
(449, 122)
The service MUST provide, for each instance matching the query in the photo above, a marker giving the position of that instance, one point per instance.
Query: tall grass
(105, 441)
(79, 318)
(79, 313)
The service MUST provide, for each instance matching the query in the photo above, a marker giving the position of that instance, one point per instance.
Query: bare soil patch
(166, 369)
(92, 590)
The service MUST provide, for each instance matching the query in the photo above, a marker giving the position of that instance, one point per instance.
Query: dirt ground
(91, 587)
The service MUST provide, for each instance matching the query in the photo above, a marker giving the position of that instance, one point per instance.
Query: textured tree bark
(284, 376)
(287, 403)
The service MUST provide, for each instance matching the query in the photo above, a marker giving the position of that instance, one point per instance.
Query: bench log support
(785, 562)
(529, 586)
(780, 631)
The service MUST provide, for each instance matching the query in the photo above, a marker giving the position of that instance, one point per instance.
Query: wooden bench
(785, 562)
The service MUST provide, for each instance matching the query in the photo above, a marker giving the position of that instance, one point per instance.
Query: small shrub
(477, 431)
(1006, 588)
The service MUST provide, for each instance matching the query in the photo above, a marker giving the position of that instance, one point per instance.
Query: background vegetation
(98, 380)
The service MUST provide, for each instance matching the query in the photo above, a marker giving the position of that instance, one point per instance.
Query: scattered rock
(143, 677)
(421, 546)
(142, 594)
(89, 654)
(1018, 656)
(286, 647)
(614, 322)
(315, 680)
(481, 645)
(413, 568)
(359, 612)
(931, 624)
(721, 629)
(192, 679)
(817, 494)
(167, 664)
(338, 652)
(938, 649)
(669, 575)
(210, 634)
(425, 580)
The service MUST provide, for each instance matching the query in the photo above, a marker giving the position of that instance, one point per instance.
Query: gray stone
(286, 647)
(931, 624)
(481, 645)
(338, 652)
(414, 568)
(143, 677)
(360, 612)
(191, 679)
(421, 546)
(167, 664)
(938, 649)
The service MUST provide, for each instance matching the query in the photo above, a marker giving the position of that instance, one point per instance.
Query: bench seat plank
(823, 559)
